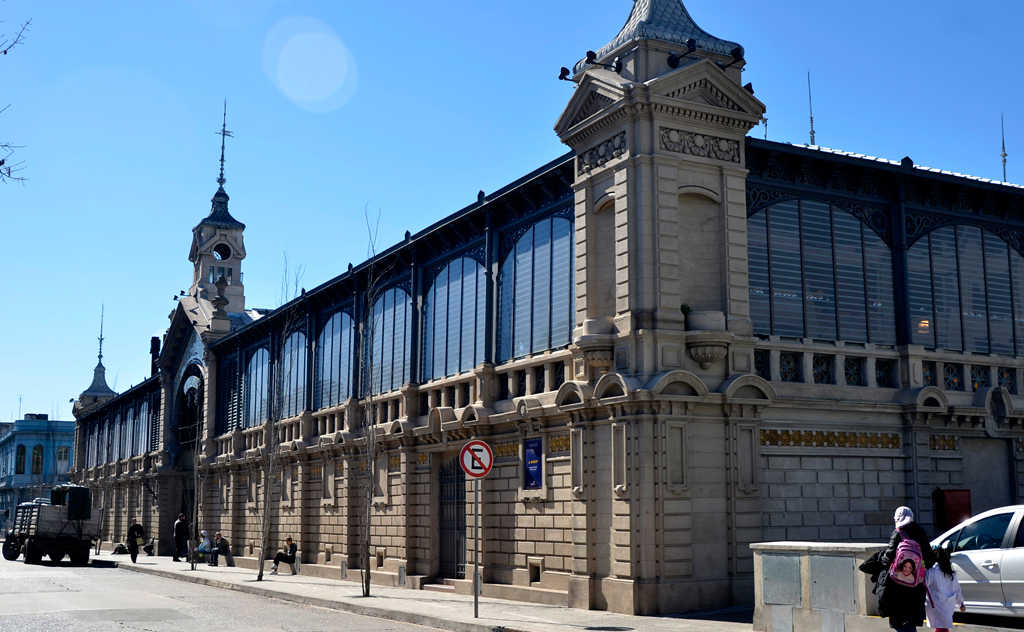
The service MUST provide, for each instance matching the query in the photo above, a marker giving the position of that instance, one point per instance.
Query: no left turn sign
(476, 459)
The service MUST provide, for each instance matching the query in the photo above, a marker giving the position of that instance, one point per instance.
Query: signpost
(476, 459)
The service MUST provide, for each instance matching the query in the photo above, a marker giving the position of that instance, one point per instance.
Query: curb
(367, 611)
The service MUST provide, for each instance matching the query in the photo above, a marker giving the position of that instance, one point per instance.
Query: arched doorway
(188, 434)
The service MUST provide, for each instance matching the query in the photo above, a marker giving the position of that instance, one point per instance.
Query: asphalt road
(62, 598)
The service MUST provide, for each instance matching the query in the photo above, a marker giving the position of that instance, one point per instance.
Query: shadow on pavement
(1010, 623)
(739, 614)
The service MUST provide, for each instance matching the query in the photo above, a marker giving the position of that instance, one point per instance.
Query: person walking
(901, 591)
(180, 536)
(287, 556)
(943, 593)
(136, 539)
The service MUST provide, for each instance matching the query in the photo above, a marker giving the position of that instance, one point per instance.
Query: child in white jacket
(944, 593)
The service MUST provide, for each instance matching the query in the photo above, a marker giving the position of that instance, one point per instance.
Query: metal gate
(453, 521)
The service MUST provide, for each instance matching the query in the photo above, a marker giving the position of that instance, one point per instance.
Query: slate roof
(667, 21)
(219, 215)
(99, 387)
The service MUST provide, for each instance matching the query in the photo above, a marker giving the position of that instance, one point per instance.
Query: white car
(987, 552)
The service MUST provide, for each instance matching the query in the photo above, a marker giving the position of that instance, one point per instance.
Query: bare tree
(9, 170)
(368, 446)
(280, 378)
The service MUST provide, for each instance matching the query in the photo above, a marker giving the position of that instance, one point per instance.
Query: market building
(678, 340)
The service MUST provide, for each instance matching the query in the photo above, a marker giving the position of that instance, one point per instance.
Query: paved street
(59, 597)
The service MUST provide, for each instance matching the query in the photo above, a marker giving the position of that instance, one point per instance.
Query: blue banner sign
(534, 472)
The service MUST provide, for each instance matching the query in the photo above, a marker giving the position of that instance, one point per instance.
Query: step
(447, 588)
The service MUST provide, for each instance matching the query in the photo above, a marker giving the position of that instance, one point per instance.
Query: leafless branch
(9, 169)
(19, 37)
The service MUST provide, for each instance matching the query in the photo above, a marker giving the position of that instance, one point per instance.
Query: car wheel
(11, 550)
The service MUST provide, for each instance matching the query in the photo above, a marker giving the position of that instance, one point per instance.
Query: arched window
(255, 388)
(389, 349)
(293, 375)
(37, 459)
(817, 271)
(536, 291)
(19, 462)
(333, 381)
(961, 292)
(453, 319)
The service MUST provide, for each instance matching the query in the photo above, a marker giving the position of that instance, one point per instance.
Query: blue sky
(117, 105)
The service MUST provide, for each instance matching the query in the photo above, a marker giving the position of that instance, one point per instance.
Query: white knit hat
(903, 517)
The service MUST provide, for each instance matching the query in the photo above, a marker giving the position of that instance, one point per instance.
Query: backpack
(120, 549)
(907, 551)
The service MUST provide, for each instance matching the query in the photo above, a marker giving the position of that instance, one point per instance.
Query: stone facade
(673, 424)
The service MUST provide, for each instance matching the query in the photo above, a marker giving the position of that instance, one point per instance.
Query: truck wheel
(56, 557)
(79, 558)
(11, 550)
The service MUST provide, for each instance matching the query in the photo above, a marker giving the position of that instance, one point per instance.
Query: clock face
(221, 252)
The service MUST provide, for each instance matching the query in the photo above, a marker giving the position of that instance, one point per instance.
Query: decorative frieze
(396, 462)
(317, 471)
(559, 443)
(942, 442)
(506, 449)
(597, 156)
(699, 145)
(829, 439)
(421, 458)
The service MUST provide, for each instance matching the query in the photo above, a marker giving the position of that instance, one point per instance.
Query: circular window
(221, 252)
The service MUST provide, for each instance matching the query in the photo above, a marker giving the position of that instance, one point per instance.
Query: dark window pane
(523, 295)
(919, 291)
(789, 367)
(822, 369)
(562, 282)
(506, 301)
(1008, 379)
(1000, 309)
(850, 277)
(1017, 273)
(979, 377)
(787, 284)
(255, 388)
(819, 277)
(453, 317)
(946, 288)
(928, 371)
(763, 364)
(972, 289)
(541, 333)
(885, 373)
(878, 276)
(854, 371)
(757, 253)
(953, 377)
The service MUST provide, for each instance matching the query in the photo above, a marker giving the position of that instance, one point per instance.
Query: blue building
(35, 455)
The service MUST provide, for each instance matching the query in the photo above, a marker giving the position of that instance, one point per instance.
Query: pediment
(598, 91)
(703, 83)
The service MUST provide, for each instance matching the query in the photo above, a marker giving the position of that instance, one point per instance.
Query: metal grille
(453, 521)
(559, 376)
(789, 367)
(763, 364)
(928, 371)
(953, 375)
(538, 374)
(521, 377)
(979, 377)
(854, 369)
(822, 369)
(1008, 379)
(885, 373)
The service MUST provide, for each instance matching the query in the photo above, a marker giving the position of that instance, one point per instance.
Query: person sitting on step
(288, 556)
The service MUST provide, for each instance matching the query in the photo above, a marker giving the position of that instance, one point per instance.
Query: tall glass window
(255, 388)
(389, 348)
(333, 379)
(818, 272)
(142, 429)
(536, 291)
(37, 459)
(293, 375)
(453, 319)
(962, 292)
(19, 463)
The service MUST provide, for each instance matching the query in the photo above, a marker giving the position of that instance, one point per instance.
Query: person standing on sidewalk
(136, 539)
(180, 536)
(899, 599)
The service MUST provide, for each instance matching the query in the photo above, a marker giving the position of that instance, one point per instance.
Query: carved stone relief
(599, 155)
(699, 145)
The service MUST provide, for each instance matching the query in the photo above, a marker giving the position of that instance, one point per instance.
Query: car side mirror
(947, 546)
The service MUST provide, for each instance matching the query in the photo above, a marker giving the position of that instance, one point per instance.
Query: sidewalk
(432, 609)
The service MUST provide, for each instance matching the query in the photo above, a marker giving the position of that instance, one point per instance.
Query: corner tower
(217, 246)
(657, 121)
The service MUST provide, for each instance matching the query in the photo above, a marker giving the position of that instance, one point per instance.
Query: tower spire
(810, 106)
(101, 334)
(224, 135)
(1003, 154)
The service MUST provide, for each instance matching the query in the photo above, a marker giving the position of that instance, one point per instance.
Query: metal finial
(1002, 125)
(224, 135)
(101, 333)
(810, 106)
